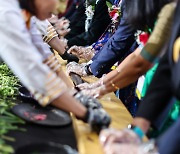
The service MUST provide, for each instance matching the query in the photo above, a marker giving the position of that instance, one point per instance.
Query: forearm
(65, 78)
(125, 62)
(129, 74)
(57, 45)
(69, 104)
(133, 68)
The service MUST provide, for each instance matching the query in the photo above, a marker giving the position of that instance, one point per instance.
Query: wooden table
(88, 142)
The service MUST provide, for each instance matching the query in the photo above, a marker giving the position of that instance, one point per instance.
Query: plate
(48, 116)
(45, 148)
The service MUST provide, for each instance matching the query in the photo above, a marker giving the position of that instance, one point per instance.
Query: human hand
(84, 86)
(73, 50)
(82, 52)
(63, 32)
(86, 53)
(91, 85)
(61, 25)
(122, 148)
(77, 50)
(98, 119)
(109, 136)
(130, 148)
(76, 68)
(94, 92)
(63, 42)
(88, 101)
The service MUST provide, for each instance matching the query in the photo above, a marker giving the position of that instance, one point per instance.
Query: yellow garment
(176, 51)
(160, 33)
(62, 5)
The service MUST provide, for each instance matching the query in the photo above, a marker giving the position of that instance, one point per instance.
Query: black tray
(45, 148)
(54, 117)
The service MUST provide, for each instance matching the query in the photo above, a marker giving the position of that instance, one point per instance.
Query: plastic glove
(91, 85)
(82, 52)
(107, 137)
(60, 25)
(87, 101)
(63, 43)
(125, 148)
(75, 50)
(69, 57)
(94, 92)
(117, 148)
(76, 68)
(98, 119)
(85, 86)
(87, 53)
(63, 32)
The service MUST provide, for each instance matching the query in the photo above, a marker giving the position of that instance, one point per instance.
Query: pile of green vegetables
(8, 91)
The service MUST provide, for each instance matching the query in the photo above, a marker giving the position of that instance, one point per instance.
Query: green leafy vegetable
(8, 92)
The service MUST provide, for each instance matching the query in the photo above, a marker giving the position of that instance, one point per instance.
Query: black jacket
(77, 22)
(98, 25)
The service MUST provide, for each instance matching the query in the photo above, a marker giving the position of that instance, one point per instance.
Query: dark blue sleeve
(169, 143)
(116, 48)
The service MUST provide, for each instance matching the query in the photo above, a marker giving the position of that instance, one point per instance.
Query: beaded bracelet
(137, 130)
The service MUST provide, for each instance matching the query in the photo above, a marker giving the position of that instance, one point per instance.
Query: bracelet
(137, 130)
(117, 70)
(114, 86)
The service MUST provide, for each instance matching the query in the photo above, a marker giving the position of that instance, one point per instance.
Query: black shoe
(70, 57)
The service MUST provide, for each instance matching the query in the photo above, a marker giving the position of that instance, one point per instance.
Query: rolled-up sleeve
(18, 51)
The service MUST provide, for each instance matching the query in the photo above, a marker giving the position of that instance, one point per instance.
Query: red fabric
(113, 12)
(144, 38)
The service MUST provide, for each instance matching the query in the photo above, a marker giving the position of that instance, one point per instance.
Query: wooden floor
(88, 142)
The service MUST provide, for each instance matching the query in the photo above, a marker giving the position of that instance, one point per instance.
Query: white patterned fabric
(22, 56)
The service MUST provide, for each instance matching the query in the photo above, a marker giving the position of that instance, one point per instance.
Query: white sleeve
(18, 51)
(47, 30)
(41, 25)
(37, 40)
